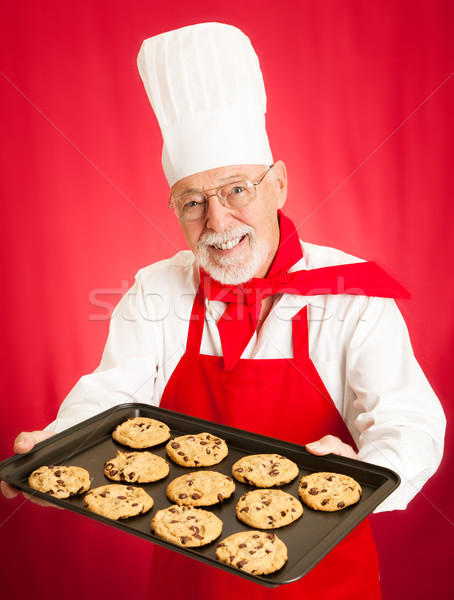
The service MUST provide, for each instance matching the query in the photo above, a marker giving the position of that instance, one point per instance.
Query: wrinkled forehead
(213, 178)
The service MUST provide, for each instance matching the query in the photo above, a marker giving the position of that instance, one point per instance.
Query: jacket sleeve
(127, 370)
(399, 419)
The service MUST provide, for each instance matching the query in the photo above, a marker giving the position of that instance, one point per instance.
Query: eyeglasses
(193, 204)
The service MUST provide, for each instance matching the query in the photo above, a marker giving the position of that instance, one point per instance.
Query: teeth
(227, 245)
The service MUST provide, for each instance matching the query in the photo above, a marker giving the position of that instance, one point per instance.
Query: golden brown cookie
(265, 470)
(118, 501)
(202, 488)
(60, 481)
(186, 526)
(255, 552)
(140, 467)
(197, 450)
(329, 491)
(141, 432)
(268, 509)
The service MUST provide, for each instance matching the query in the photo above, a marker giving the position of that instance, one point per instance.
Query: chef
(251, 327)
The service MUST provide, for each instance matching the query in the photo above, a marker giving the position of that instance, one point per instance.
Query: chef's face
(234, 245)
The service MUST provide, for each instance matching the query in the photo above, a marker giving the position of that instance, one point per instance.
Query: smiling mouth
(229, 245)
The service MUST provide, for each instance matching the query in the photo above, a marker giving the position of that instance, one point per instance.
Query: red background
(360, 99)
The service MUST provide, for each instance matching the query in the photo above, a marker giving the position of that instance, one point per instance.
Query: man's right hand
(24, 442)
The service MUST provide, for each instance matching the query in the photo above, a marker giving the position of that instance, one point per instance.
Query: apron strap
(196, 323)
(300, 336)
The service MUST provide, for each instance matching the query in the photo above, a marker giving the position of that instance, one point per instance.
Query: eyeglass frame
(171, 203)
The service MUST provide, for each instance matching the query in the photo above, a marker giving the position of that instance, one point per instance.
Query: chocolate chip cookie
(255, 552)
(186, 526)
(268, 509)
(329, 491)
(265, 470)
(202, 488)
(141, 432)
(118, 501)
(60, 481)
(197, 450)
(140, 467)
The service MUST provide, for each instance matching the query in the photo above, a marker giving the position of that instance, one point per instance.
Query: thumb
(26, 440)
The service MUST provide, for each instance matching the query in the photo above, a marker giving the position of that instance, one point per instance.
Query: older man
(252, 327)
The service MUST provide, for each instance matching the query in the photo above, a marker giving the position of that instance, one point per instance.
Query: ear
(280, 177)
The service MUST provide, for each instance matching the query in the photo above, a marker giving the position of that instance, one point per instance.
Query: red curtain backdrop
(360, 98)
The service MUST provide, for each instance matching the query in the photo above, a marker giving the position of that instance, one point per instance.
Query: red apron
(283, 398)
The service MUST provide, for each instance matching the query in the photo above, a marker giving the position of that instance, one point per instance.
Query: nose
(218, 217)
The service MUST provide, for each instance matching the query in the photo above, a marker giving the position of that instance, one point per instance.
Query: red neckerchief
(239, 320)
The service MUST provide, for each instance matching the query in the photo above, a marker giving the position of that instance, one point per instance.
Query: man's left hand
(329, 444)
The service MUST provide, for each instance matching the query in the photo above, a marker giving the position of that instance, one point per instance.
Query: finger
(26, 440)
(330, 444)
(8, 490)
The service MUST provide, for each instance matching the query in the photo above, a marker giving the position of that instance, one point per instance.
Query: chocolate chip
(60, 481)
(174, 445)
(114, 472)
(198, 536)
(313, 491)
(57, 473)
(340, 504)
(121, 497)
(184, 539)
(325, 501)
(180, 453)
(283, 513)
(304, 485)
(229, 478)
(241, 564)
(196, 496)
(208, 451)
(131, 475)
(220, 497)
(239, 470)
(245, 509)
(242, 546)
(182, 496)
(324, 490)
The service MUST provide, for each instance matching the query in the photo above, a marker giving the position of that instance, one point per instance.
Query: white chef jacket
(359, 346)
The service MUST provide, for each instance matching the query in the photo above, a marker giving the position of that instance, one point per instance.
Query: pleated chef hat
(206, 89)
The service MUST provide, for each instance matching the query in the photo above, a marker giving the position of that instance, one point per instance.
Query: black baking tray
(89, 445)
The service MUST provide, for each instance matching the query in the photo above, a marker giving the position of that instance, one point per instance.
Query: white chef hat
(206, 89)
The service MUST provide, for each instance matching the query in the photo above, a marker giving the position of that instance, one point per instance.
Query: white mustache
(211, 238)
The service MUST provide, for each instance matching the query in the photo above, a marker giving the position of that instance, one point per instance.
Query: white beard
(231, 270)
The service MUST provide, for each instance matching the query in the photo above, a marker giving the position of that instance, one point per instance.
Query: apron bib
(283, 398)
